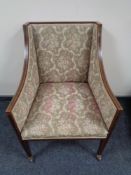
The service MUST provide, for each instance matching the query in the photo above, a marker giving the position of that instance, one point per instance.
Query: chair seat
(64, 110)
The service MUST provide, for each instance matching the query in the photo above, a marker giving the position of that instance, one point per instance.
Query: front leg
(101, 148)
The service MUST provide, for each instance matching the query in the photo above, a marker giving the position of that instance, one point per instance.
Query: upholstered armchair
(63, 93)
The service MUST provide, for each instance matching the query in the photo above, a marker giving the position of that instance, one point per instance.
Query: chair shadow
(51, 145)
(91, 148)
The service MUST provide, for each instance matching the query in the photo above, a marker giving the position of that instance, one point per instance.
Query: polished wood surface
(25, 67)
(105, 82)
(103, 75)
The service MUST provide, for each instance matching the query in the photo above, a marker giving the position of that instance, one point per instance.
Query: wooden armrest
(102, 72)
(20, 87)
(107, 87)
(24, 74)
(108, 104)
(21, 103)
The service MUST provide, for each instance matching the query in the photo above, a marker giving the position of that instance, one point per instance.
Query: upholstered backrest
(63, 50)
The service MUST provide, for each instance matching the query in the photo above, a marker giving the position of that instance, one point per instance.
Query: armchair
(63, 93)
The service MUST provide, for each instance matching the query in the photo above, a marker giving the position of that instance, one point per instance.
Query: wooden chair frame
(103, 141)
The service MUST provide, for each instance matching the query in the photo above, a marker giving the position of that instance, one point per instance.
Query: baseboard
(122, 97)
(5, 98)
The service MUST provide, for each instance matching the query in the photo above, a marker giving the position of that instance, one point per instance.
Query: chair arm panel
(107, 102)
(21, 103)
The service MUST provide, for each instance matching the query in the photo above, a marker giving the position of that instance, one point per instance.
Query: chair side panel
(23, 104)
(106, 105)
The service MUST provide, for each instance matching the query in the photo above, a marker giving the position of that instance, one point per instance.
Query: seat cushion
(63, 110)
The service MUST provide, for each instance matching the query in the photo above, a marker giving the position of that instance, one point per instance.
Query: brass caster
(99, 157)
(30, 159)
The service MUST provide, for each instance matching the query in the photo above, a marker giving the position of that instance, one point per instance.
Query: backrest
(63, 50)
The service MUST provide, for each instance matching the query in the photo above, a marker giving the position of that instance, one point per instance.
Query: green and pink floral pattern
(106, 106)
(63, 51)
(64, 110)
(27, 95)
(63, 94)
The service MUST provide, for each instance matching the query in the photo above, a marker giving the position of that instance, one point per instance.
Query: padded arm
(107, 102)
(22, 101)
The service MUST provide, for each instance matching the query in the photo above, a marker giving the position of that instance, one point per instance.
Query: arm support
(22, 101)
(107, 102)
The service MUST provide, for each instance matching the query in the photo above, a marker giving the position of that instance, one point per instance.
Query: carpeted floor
(66, 157)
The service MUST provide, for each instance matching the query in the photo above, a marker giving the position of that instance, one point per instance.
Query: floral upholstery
(63, 94)
(106, 106)
(24, 102)
(63, 51)
(64, 110)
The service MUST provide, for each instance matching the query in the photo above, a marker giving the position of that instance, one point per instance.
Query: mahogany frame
(119, 108)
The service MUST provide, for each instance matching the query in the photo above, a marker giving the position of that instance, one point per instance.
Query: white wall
(114, 14)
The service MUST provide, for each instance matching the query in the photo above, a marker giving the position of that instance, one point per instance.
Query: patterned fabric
(64, 110)
(24, 102)
(56, 100)
(63, 51)
(104, 101)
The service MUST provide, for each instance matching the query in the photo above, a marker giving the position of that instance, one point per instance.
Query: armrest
(108, 89)
(20, 105)
(107, 102)
(20, 87)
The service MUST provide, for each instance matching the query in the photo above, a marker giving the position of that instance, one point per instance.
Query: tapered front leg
(103, 142)
(24, 143)
(26, 148)
(101, 148)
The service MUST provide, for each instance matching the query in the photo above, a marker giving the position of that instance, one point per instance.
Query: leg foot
(26, 147)
(99, 157)
(101, 148)
(30, 159)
